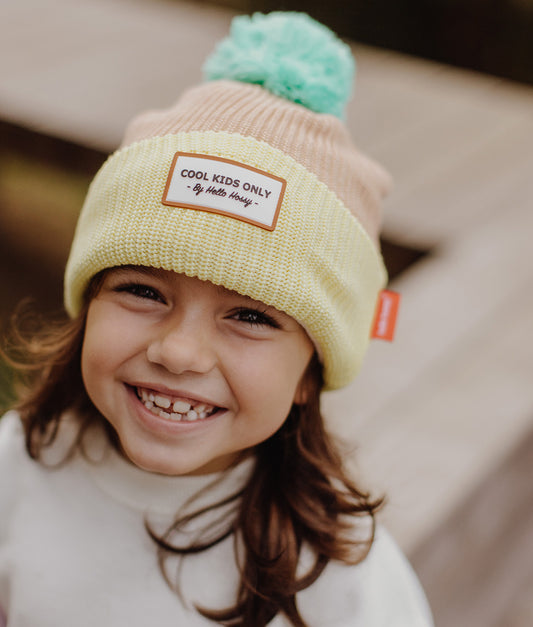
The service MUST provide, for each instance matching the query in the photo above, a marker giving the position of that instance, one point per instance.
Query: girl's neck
(138, 489)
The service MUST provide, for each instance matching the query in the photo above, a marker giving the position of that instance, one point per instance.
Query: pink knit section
(319, 142)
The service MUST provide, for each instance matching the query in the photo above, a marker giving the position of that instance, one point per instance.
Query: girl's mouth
(172, 408)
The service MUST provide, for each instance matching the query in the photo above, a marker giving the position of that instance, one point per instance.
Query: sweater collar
(151, 492)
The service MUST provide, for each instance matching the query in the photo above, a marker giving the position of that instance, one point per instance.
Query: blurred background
(441, 420)
(492, 36)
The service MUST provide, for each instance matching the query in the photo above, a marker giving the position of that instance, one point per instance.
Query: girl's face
(189, 373)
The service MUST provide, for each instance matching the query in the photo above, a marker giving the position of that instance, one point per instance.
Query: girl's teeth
(162, 401)
(181, 407)
(177, 411)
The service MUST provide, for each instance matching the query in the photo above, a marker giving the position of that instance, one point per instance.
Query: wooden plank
(461, 361)
(430, 150)
(466, 193)
(437, 440)
(478, 570)
(451, 290)
(81, 77)
(396, 95)
(520, 608)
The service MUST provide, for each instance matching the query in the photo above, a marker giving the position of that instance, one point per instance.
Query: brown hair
(46, 359)
(298, 492)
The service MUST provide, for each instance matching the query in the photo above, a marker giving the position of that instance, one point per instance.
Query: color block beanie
(251, 181)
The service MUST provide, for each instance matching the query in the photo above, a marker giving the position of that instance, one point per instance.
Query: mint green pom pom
(289, 54)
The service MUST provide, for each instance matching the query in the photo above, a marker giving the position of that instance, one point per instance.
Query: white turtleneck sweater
(74, 551)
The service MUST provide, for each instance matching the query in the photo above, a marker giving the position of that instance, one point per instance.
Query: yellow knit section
(318, 265)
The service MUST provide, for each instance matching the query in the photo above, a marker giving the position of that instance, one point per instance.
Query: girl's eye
(141, 291)
(255, 318)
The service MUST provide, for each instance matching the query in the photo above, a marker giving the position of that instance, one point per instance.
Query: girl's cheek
(102, 337)
(108, 323)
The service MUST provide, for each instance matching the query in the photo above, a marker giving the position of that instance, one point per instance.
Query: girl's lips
(174, 408)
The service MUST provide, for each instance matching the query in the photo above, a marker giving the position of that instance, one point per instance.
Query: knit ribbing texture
(321, 143)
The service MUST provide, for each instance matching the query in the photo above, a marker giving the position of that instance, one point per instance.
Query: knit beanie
(251, 181)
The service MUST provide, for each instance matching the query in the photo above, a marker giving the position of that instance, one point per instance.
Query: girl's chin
(157, 464)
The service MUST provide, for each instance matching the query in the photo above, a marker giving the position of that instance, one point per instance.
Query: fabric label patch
(386, 314)
(223, 186)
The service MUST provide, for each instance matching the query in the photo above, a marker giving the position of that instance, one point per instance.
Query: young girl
(169, 464)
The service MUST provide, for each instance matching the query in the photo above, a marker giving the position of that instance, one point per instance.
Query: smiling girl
(169, 464)
(189, 374)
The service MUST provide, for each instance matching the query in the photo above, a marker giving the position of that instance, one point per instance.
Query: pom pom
(289, 54)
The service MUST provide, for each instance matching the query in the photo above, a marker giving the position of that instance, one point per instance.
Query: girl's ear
(301, 395)
(308, 383)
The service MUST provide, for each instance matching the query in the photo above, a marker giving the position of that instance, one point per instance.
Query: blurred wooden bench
(448, 407)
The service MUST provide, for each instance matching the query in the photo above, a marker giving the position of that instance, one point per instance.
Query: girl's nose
(183, 348)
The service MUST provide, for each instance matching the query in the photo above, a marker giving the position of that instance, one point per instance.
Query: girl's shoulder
(19, 473)
(390, 574)
(13, 462)
(12, 441)
(381, 591)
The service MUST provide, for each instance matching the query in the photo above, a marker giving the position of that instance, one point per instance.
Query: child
(170, 465)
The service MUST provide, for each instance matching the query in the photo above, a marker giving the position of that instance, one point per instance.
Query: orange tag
(386, 313)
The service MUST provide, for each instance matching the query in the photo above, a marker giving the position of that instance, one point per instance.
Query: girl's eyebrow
(224, 291)
(140, 269)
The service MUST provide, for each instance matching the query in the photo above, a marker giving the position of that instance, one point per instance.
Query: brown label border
(171, 203)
